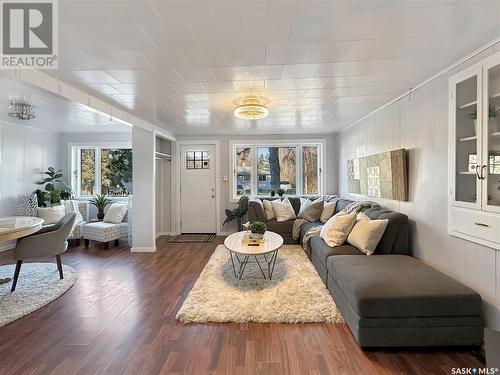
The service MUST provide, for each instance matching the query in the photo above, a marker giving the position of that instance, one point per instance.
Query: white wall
(331, 162)
(420, 124)
(25, 153)
(143, 165)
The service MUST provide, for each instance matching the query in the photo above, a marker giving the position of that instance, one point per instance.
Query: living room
(265, 186)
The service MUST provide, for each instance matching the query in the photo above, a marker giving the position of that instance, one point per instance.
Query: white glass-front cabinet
(474, 144)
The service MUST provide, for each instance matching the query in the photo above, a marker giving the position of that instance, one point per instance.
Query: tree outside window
(116, 172)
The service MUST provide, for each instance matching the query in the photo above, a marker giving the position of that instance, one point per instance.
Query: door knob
(213, 196)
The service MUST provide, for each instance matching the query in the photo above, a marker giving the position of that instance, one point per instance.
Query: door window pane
(116, 172)
(310, 170)
(87, 171)
(197, 160)
(276, 169)
(243, 171)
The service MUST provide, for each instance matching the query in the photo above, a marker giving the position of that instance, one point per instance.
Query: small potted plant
(273, 193)
(281, 192)
(100, 201)
(257, 230)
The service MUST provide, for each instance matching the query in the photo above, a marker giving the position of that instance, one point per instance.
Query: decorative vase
(100, 213)
(256, 236)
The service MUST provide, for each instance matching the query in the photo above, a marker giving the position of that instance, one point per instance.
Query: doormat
(193, 238)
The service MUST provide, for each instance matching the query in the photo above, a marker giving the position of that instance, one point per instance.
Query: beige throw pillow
(366, 233)
(328, 211)
(51, 215)
(309, 210)
(268, 209)
(115, 214)
(337, 228)
(283, 210)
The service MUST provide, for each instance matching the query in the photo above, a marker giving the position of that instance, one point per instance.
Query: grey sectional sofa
(390, 298)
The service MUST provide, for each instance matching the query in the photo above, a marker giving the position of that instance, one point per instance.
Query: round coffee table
(268, 250)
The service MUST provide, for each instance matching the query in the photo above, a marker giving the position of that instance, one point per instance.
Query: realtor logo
(29, 34)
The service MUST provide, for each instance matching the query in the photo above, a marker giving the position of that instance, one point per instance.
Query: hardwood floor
(120, 318)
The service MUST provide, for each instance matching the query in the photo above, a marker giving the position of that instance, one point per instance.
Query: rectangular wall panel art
(382, 175)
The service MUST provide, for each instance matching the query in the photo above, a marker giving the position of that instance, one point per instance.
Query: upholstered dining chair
(48, 241)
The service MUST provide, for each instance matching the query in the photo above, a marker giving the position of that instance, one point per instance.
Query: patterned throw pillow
(367, 233)
(283, 210)
(309, 210)
(328, 211)
(336, 230)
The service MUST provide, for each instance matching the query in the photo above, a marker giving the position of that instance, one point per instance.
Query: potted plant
(273, 193)
(257, 229)
(238, 212)
(281, 192)
(100, 201)
(54, 188)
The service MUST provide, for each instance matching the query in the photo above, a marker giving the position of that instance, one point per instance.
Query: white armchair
(104, 232)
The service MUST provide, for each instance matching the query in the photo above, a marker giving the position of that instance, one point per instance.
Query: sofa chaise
(389, 299)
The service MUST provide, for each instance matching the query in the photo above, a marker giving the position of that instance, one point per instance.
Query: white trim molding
(143, 249)
(178, 145)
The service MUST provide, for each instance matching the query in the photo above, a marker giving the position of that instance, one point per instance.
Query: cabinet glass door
(467, 140)
(491, 134)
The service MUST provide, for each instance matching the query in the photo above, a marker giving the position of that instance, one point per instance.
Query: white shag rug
(295, 294)
(37, 286)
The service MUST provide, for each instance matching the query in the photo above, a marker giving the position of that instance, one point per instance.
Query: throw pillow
(309, 210)
(72, 206)
(366, 233)
(268, 209)
(328, 211)
(283, 210)
(51, 215)
(337, 228)
(115, 214)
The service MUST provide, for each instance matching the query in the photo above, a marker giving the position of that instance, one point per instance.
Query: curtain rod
(420, 85)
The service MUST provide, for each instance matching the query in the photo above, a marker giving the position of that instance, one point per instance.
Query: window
(261, 169)
(276, 169)
(197, 160)
(101, 170)
(243, 171)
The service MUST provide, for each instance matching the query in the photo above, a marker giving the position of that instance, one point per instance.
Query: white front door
(197, 184)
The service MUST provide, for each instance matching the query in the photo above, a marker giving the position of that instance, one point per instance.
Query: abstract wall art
(382, 175)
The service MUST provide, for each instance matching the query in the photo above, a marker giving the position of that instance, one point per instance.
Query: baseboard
(136, 249)
(7, 246)
(165, 234)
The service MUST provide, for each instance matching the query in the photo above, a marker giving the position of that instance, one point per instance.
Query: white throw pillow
(366, 233)
(72, 206)
(51, 215)
(337, 228)
(328, 211)
(115, 214)
(283, 210)
(268, 209)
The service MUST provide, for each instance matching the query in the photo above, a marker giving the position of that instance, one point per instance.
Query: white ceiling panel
(317, 64)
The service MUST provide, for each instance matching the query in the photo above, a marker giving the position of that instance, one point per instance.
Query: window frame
(298, 144)
(74, 150)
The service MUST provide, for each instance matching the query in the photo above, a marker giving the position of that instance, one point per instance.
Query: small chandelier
(251, 110)
(21, 110)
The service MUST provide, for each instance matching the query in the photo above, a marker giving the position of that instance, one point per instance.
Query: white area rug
(296, 293)
(38, 285)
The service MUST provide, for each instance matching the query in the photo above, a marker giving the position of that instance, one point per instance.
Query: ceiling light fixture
(21, 110)
(251, 109)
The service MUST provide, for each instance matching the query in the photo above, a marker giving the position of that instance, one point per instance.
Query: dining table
(14, 227)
